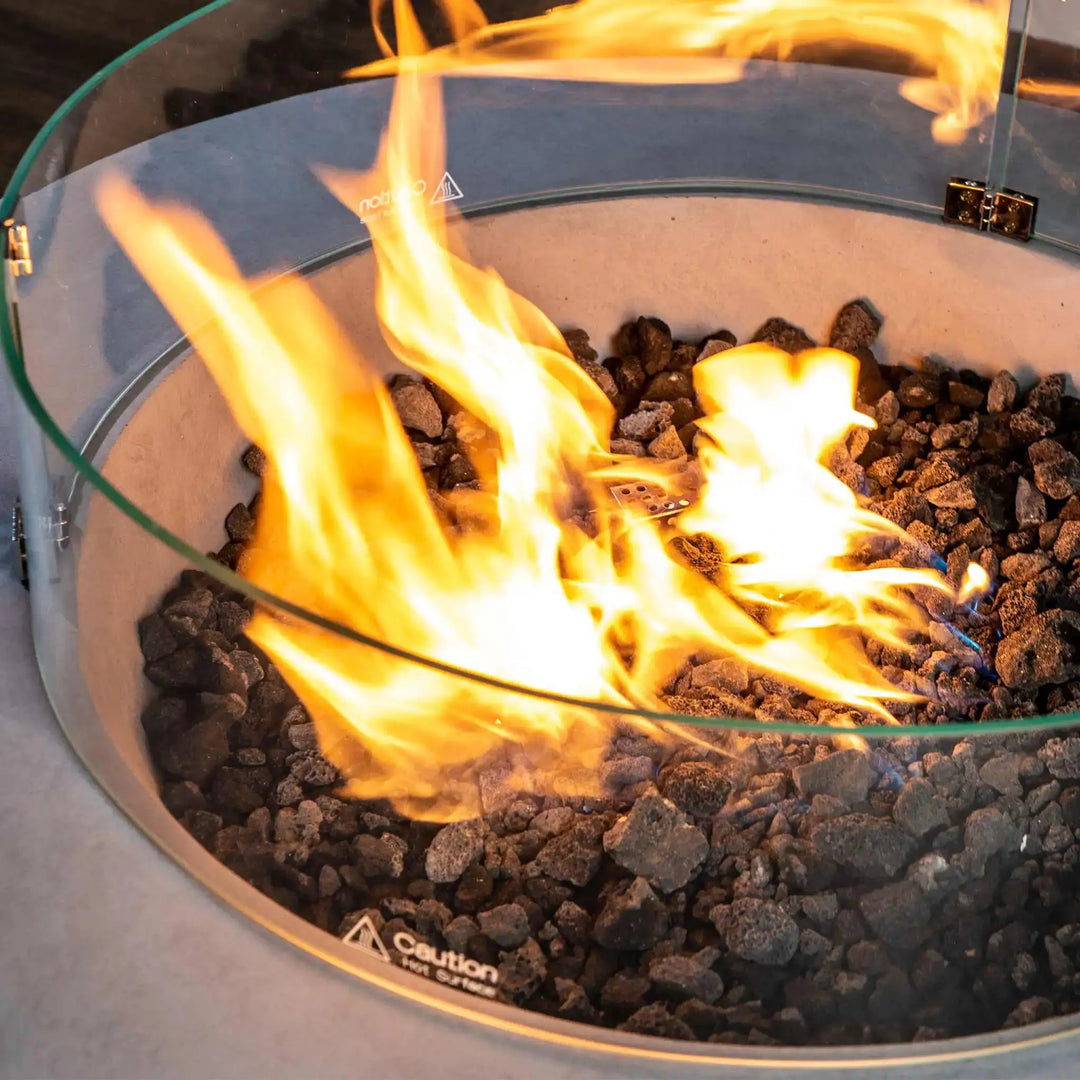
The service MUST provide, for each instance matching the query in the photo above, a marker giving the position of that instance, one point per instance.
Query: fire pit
(667, 689)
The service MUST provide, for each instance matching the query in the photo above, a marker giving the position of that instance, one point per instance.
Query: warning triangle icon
(365, 937)
(447, 191)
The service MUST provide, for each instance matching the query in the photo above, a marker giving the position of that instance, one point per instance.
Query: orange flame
(961, 42)
(528, 595)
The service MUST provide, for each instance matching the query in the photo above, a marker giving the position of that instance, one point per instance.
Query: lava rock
(987, 832)
(873, 847)
(856, 326)
(1044, 651)
(918, 810)
(729, 673)
(783, 335)
(454, 847)
(378, 856)
(156, 640)
(699, 787)
(647, 422)
(898, 914)
(1002, 393)
(574, 855)
(1062, 760)
(1067, 542)
(507, 925)
(522, 972)
(667, 446)
(655, 842)
(655, 1019)
(679, 978)
(1002, 773)
(197, 753)
(919, 390)
(634, 918)
(1030, 504)
(574, 922)
(845, 775)
(761, 931)
(418, 409)
(1057, 471)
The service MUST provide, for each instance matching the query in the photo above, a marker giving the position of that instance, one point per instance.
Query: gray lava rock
(1062, 757)
(507, 925)
(761, 931)
(655, 841)
(871, 846)
(378, 856)
(549, 823)
(623, 992)
(522, 972)
(1030, 504)
(312, 769)
(453, 848)
(667, 446)
(783, 335)
(623, 771)
(957, 494)
(634, 918)
(418, 409)
(459, 931)
(918, 809)
(197, 753)
(574, 922)
(1002, 773)
(1067, 544)
(987, 832)
(919, 389)
(647, 422)
(898, 914)
(1057, 472)
(574, 855)
(856, 326)
(1044, 651)
(845, 775)
(655, 1019)
(1024, 566)
(1002, 393)
(679, 978)
(699, 787)
(729, 673)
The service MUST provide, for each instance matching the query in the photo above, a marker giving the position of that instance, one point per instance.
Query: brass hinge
(1005, 212)
(18, 250)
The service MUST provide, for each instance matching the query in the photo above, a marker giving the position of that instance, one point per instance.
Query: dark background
(48, 48)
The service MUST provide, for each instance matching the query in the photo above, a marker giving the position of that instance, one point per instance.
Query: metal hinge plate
(18, 538)
(1005, 212)
(642, 499)
(18, 250)
(54, 529)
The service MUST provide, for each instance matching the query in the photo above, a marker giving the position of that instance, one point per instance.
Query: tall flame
(959, 43)
(504, 581)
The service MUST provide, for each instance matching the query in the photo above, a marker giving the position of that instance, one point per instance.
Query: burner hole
(624, 491)
(642, 487)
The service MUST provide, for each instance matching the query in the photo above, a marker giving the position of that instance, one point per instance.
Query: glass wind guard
(1044, 156)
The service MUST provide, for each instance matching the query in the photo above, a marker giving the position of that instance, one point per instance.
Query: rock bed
(755, 888)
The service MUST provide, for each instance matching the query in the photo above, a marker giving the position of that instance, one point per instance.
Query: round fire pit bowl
(774, 890)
